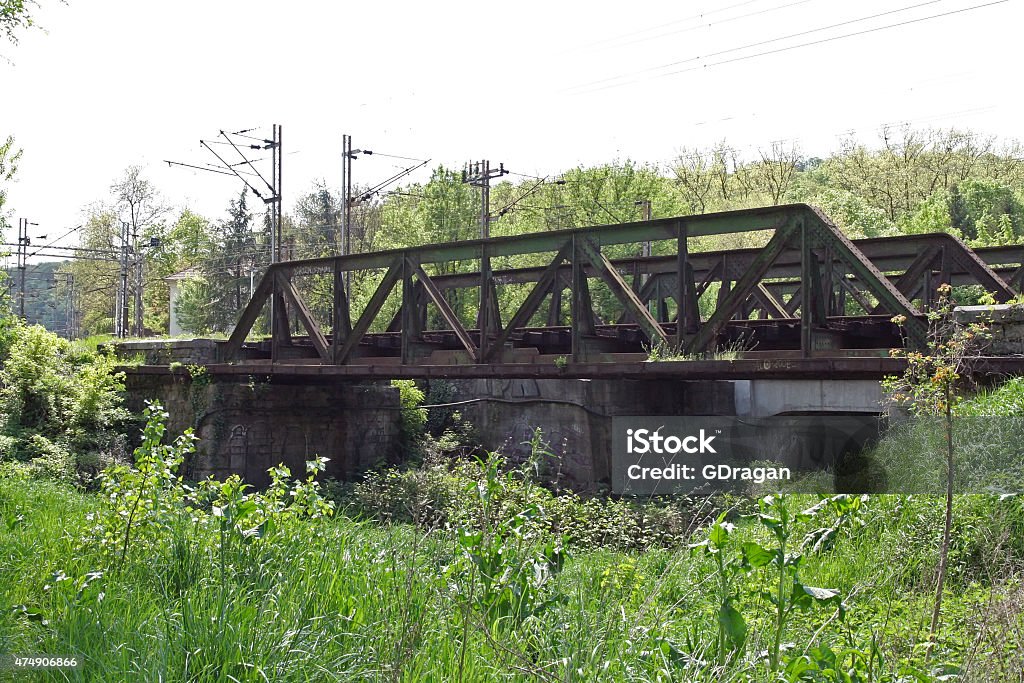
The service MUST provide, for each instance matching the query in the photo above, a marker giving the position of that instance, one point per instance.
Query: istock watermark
(824, 453)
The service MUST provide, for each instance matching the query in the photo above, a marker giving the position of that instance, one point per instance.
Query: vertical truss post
(682, 283)
(555, 305)
(281, 335)
(577, 276)
(484, 310)
(409, 312)
(805, 276)
(340, 316)
(828, 289)
(582, 306)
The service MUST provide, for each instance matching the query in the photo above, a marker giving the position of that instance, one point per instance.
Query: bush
(436, 493)
(413, 418)
(61, 404)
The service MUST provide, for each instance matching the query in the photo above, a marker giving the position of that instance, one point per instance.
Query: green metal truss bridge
(808, 302)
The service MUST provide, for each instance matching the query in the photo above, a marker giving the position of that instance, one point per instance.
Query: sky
(538, 86)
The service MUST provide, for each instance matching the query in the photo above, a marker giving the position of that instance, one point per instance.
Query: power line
(670, 23)
(715, 23)
(395, 156)
(584, 87)
(859, 33)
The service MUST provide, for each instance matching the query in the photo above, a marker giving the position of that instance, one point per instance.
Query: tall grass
(345, 600)
(207, 594)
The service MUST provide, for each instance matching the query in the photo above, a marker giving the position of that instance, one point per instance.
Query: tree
(97, 279)
(774, 174)
(140, 208)
(698, 177)
(16, 15)
(933, 384)
(9, 157)
(229, 268)
(318, 223)
(181, 247)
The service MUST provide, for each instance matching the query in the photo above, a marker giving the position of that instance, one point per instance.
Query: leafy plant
(142, 497)
(782, 559)
(933, 384)
(508, 571)
(732, 627)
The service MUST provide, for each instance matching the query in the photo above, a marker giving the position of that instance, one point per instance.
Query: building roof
(186, 274)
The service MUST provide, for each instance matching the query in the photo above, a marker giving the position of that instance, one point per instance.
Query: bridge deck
(832, 368)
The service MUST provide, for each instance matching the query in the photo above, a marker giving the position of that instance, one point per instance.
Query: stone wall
(1005, 323)
(246, 428)
(165, 352)
(575, 416)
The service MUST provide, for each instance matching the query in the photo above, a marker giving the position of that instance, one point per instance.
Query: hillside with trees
(907, 181)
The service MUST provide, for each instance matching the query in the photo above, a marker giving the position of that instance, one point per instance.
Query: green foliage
(414, 418)
(986, 211)
(143, 495)
(144, 500)
(931, 215)
(70, 397)
(432, 494)
(504, 573)
(781, 561)
(16, 15)
(854, 216)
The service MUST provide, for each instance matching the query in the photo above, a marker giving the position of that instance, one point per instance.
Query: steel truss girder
(806, 245)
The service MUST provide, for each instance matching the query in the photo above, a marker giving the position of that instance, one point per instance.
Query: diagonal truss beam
(373, 307)
(294, 298)
(622, 291)
(769, 303)
(876, 283)
(446, 310)
(547, 282)
(743, 288)
(249, 315)
(910, 280)
(972, 263)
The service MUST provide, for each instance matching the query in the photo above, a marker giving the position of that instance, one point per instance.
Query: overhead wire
(715, 23)
(585, 88)
(670, 23)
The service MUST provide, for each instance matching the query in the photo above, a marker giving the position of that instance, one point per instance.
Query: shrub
(413, 418)
(433, 494)
(64, 394)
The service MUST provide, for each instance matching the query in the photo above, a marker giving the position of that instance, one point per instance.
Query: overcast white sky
(539, 86)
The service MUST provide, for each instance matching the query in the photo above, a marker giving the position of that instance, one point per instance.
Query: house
(174, 284)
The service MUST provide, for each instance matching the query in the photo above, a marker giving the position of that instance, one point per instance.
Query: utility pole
(346, 205)
(69, 310)
(640, 279)
(347, 200)
(277, 156)
(121, 326)
(646, 204)
(22, 250)
(23, 243)
(479, 174)
(346, 195)
(137, 267)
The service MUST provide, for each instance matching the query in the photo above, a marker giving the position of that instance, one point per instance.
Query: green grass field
(454, 569)
(337, 599)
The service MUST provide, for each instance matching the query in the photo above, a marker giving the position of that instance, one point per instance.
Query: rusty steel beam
(784, 234)
(305, 317)
(761, 368)
(622, 291)
(889, 269)
(887, 254)
(446, 310)
(369, 314)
